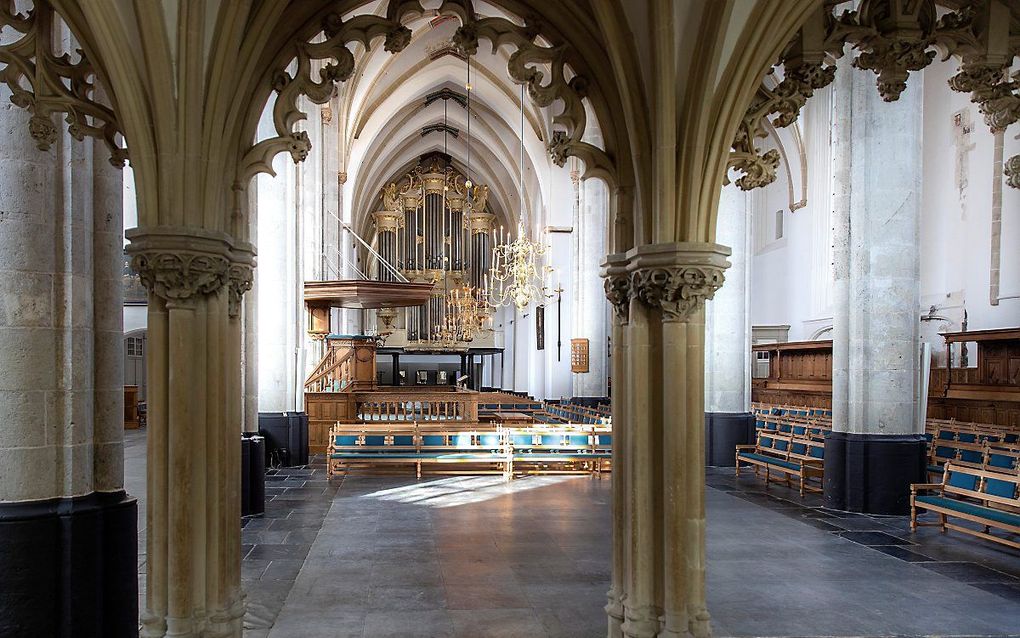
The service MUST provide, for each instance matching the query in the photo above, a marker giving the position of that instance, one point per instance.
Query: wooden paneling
(800, 373)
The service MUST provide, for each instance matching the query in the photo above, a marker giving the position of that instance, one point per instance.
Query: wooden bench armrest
(746, 447)
(916, 487)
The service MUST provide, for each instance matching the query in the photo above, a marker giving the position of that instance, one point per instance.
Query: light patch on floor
(462, 490)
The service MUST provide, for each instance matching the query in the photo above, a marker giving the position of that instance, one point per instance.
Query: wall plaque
(579, 355)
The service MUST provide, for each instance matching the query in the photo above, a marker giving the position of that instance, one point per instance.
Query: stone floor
(474, 557)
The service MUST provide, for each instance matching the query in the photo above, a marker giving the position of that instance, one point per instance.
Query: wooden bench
(786, 454)
(990, 499)
(470, 449)
(545, 449)
(440, 448)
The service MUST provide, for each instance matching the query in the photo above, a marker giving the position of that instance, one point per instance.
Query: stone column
(728, 418)
(876, 448)
(589, 319)
(196, 280)
(61, 396)
(658, 291)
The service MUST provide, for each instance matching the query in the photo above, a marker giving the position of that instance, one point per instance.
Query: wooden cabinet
(130, 407)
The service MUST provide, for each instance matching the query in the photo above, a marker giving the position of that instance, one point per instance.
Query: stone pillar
(728, 418)
(196, 280)
(658, 291)
(590, 312)
(876, 448)
(61, 396)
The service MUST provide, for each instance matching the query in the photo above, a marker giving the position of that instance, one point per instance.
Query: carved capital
(675, 279)
(677, 291)
(617, 285)
(179, 264)
(240, 278)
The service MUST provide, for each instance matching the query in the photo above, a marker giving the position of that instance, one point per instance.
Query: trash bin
(286, 438)
(253, 474)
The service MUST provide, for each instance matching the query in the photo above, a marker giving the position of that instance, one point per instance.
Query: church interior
(509, 318)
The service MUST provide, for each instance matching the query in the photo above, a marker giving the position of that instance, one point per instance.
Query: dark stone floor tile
(274, 552)
(971, 573)
(874, 538)
(902, 553)
(1002, 590)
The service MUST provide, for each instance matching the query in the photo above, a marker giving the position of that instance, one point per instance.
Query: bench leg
(913, 517)
(942, 523)
(417, 469)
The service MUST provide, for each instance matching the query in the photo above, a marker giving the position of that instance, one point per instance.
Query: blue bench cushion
(345, 440)
(403, 440)
(374, 455)
(489, 440)
(991, 513)
(375, 440)
(770, 460)
(577, 440)
(433, 440)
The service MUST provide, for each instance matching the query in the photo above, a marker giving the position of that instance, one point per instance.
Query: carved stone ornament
(1011, 169)
(675, 279)
(178, 264)
(176, 276)
(46, 81)
(240, 278)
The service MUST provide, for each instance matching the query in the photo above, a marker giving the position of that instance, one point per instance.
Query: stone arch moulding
(893, 38)
(45, 80)
(318, 65)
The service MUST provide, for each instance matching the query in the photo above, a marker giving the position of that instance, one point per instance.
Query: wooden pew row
(987, 498)
(787, 455)
(470, 449)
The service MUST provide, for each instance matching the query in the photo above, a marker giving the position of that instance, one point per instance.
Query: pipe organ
(434, 226)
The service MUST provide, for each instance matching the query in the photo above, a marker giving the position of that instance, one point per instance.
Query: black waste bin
(286, 438)
(299, 434)
(253, 474)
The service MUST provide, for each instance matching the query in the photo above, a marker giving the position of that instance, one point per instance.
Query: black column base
(872, 473)
(69, 567)
(723, 432)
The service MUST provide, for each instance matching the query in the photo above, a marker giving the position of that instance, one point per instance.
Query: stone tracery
(893, 38)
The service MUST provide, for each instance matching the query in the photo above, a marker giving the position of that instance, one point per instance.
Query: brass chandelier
(516, 275)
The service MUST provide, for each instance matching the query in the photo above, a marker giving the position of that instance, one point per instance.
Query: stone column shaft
(196, 281)
(61, 394)
(728, 419)
(876, 449)
(658, 292)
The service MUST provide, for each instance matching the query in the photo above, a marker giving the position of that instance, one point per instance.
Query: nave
(473, 556)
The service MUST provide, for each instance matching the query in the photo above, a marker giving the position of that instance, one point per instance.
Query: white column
(727, 316)
(280, 315)
(590, 306)
(728, 419)
(876, 449)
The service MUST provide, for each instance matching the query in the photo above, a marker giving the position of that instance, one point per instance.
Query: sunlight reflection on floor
(461, 490)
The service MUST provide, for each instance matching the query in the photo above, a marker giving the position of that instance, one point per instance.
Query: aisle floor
(373, 557)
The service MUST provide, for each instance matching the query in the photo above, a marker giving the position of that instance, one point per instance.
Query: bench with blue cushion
(789, 455)
(990, 499)
(559, 449)
(421, 446)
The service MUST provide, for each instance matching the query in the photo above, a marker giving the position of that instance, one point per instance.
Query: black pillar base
(872, 473)
(69, 567)
(723, 432)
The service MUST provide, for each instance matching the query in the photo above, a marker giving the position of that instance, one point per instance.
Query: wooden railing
(416, 406)
(335, 373)
(349, 364)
